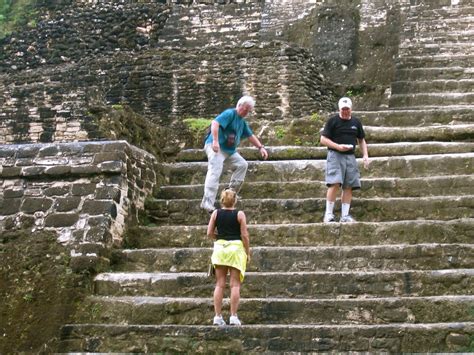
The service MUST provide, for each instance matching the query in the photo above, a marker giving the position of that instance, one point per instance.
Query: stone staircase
(399, 280)
(436, 58)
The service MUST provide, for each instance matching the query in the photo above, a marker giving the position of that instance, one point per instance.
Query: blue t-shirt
(232, 128)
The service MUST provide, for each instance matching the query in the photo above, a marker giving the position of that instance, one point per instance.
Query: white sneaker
(207, 206)
(329, 217)
(347, 218)
(218, 320)
(234, 320)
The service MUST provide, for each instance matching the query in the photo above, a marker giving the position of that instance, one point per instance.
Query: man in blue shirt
(227, 130)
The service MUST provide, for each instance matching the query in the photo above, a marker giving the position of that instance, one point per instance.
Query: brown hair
(228, 198)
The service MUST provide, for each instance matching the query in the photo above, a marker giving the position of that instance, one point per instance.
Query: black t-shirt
(227, 224)
(343, 131)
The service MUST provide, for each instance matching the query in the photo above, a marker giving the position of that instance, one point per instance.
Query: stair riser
(298, 286)
(434, 74)
(461, 185)
(311, 210)
(304, 339)
(419, 100)
(449, 61)
(268, 259)
(374, 311)
(436, 49)
(401, 167)
(408, 232)
(448, 134)
(406, 87)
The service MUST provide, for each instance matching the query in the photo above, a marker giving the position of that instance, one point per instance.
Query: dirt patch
(39, 292)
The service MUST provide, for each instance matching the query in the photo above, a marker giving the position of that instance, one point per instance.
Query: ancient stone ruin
(99, 103)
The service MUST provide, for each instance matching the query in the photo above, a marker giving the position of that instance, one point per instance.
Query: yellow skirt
(230, 253)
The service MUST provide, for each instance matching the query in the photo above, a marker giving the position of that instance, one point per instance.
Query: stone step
(400, 117)
(199, 311)
(434, 33)
(401, 147)
(320, 258)
(384, 187)
(437, 86)
(435, 61)
(431, 99)
(325, 284)
(304, 338)
(310, 210)
(449, 73)
(448, 15)
(312, 234)
(436, 49)
(422, 41)
(191, 173)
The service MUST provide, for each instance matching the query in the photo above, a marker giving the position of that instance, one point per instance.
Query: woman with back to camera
(228, 227)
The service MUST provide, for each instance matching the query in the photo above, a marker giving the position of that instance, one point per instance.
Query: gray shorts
(342, 169)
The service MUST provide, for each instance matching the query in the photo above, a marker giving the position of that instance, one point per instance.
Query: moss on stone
(39, 291)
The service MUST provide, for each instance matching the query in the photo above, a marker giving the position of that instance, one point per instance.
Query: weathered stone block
(32, 170)
(98, 234)
(35, 204)
(67, 203)
(9, 206)
(48, 151)
(109, 193)
(100, 221)
(85, 169)
(83, 189)
(109, 156)
(111, 167)
(100, 207)
(12, 193)
(28, 151)
(57, 190)
(61, 219)
(10, 171)
(58, 170)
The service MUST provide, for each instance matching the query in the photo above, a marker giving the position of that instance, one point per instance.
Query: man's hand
(344, 147)
(263, 153)
(366, 161)
(215, 146)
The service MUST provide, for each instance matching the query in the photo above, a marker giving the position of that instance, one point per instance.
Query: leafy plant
(280, 132)
(15, 14)
(197, 125)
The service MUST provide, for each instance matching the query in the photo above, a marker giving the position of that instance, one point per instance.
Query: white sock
(330, 207)
(345, 209)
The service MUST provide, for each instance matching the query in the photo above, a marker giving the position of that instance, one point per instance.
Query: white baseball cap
(345, 102)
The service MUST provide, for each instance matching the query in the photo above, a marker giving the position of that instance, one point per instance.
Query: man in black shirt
(340, 134)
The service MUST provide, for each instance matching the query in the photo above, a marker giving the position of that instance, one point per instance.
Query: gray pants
(214, 171)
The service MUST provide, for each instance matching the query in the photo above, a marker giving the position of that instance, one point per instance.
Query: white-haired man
(227, 130)
(340, 134)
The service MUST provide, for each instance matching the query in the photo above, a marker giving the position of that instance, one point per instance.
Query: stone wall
(69, 33)
(173, 61)
(164, 86)
(85, 192)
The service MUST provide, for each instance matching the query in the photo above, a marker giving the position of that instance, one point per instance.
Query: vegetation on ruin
(38, 289)
(15, 14)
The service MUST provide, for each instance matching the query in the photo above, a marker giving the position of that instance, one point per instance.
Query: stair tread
(133, 275)
(206, 300)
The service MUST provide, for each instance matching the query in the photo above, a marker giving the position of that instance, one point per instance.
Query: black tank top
(228, 226)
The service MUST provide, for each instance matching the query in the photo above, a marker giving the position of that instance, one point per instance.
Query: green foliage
(16, 14)
(280, 132)
(117, 107)
(197, 125)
